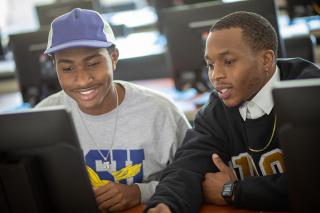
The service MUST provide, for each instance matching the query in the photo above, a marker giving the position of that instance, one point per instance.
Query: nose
(83, 77)
(216, 73)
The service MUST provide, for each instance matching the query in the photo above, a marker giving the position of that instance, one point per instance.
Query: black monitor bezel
(42, 167)
(27, 49)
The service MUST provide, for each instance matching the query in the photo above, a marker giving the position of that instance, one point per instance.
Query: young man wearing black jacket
(232, 155)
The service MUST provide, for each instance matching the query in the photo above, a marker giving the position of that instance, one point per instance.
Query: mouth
(87, 94)
(224, 91)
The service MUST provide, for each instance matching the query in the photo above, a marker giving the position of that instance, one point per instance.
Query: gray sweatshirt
(148, 132)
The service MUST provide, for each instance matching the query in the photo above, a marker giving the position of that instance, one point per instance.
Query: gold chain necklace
(270, 140)
(105, 158)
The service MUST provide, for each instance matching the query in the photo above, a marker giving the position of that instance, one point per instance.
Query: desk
(204, 209)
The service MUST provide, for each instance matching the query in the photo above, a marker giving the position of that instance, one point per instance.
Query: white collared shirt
(262, 102)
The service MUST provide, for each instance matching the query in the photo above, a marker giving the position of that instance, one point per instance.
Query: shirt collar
(262, 101)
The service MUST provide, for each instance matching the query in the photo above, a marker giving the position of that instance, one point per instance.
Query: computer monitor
(162, 4)
(186, 29)
(113, 6)
(35, 71)
(42, 166)
(2, 52)
(302, 8)
(297, 107)
(46, 13)
(196, 1)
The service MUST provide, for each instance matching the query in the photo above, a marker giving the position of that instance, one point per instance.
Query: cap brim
(79, 43)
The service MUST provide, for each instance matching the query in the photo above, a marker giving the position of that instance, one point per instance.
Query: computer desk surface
(206, 208)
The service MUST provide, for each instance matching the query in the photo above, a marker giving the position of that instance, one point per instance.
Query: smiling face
(86, 75)
(236, 71)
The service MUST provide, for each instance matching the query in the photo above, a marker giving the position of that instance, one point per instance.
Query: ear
(115, 57)
(268, 60)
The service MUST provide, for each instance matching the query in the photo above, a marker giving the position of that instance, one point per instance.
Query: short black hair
(256, 30)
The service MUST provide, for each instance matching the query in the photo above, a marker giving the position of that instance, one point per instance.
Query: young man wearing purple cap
(128, 134)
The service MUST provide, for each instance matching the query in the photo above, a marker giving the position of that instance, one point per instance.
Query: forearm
(263, 193)
(181, 196)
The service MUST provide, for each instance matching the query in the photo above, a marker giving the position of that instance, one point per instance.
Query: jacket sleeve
(263, 193)
(181, 182)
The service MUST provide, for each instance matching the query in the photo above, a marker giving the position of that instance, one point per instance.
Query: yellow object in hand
(94, 178)
(125, 173)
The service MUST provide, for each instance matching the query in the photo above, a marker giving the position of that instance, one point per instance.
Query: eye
(93, 64)
(67, 69)
(229, 61)
(210, 66)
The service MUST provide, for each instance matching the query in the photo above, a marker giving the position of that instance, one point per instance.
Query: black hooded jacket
(219, 129)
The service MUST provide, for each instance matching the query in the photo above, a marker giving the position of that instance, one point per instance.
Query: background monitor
(111, 6)
(42, 166)
(46, 13)
(186, 29)
(2, 51)
(297, 107)
(162, 4)
(35, 71)
(303, 8)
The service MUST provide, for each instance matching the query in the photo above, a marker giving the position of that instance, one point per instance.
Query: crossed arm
(211, 186)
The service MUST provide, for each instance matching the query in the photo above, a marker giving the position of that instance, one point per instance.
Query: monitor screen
(35, 71)
(303, 8)
(163, 4)
(186, 29)
(46, 13)
(297, 107)
(42, 167)
(2, 52)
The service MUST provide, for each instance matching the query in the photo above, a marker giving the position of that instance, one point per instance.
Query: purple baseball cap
(79, 28)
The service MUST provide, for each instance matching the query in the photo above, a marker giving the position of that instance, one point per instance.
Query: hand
(212, 186)
(116, 197)
(160, 208)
